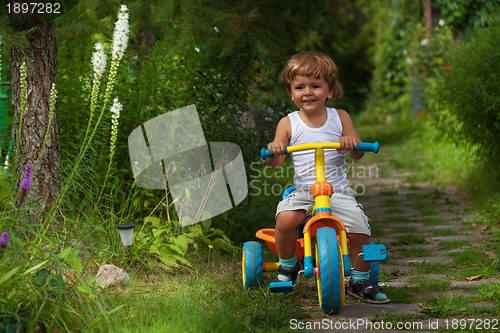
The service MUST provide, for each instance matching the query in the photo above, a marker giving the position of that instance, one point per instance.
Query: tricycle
(322, 245)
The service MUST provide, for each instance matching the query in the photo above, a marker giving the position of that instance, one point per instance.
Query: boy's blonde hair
(314, 65)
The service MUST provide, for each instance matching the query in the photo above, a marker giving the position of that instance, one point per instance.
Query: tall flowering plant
(4, 240)
(116, 108)
(22, 98)
(99, 61)
(25, 183)
(120, 39)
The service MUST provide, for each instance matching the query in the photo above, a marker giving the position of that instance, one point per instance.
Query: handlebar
(363, 146)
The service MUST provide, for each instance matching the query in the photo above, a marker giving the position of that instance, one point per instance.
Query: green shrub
(468, 103)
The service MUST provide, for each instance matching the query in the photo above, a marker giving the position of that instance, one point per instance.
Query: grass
(416, 252)
(428, 211)
(388, 193)
(435, 220)
(398, 218)
(442, 307)
(391, 202)
(444, 232)
(431, 268)
(375, 227)
(394, 211)
(403, 295)
(405, 229)
(484, 303)
(453, 244)
(408, 239)
(432, 285)
(210, 300)
(421, 204)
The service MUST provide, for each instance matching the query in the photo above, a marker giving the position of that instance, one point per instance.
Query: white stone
(111, 275)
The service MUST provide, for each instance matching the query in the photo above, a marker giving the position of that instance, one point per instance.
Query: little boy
(311, 80)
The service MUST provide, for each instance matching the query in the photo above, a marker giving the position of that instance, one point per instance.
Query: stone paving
(412, 220)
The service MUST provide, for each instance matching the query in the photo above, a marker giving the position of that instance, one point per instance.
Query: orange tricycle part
(321, 188)
(267, 235)
(323, 220)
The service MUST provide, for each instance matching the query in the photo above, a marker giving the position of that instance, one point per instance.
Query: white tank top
(303, 162)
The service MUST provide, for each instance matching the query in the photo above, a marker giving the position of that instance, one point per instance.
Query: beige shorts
(343, 204)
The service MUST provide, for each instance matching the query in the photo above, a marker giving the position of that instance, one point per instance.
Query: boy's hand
(349, 143)
(276, 148)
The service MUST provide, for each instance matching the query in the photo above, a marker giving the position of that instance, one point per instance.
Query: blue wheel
(251, 264)
(374, 272)
(330, 271)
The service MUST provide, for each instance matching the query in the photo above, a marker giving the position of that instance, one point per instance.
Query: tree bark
(427, 4)
(36, 142)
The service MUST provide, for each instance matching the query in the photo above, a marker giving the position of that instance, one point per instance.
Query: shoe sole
(367, 300)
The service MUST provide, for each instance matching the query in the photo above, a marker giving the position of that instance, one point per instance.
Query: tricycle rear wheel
(251, 264)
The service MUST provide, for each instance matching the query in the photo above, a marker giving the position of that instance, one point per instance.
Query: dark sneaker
(370, 293)
(286, 274)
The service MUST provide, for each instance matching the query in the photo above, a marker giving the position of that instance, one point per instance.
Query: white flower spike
(115, 109)
(120, 34)
(99, 60)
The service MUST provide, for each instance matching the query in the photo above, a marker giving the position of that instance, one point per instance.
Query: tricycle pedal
(281, 286)
(374, 252)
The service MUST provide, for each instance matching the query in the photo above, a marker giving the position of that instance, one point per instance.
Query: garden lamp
(126, 232)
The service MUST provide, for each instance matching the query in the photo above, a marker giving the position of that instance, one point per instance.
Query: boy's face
(310, 94)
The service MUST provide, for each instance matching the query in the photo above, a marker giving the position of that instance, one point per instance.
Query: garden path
(424, 227)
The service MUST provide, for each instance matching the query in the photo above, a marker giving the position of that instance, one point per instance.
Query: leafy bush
(165, 244)
(468, 93)
(394, 31)
(44, 288)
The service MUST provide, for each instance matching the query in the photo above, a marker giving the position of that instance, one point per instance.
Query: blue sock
(360, 276)
(288, 262)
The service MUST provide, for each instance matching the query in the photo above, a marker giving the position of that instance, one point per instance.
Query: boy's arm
(350, 138)
(281, 139)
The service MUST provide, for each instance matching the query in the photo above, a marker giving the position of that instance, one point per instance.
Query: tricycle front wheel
(330, 271)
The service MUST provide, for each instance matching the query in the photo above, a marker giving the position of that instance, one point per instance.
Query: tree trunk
(36, 142)
(427, 4)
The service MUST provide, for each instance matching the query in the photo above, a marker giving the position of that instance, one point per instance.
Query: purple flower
(25, 183)
(28, 169)
(4, 239)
